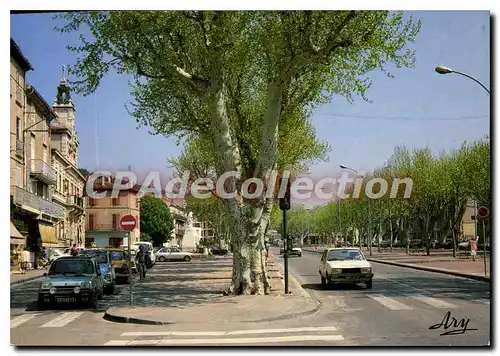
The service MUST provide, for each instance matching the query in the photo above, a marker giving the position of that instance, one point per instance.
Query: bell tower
(64, 137)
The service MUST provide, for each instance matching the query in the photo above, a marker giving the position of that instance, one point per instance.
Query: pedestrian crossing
(59, 319)
(226, 337)
(42, 320)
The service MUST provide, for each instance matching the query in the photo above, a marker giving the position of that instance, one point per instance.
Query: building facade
(103, 215)
(33, 214)
(68, 192)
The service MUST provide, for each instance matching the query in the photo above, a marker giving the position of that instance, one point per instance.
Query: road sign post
(285, 205)
(128, 223)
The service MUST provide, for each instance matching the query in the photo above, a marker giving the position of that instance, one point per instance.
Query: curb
(435, 270)
(123, 319)
(21, 281)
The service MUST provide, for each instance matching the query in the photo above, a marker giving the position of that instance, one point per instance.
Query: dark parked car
(72, 280)
(217, 250)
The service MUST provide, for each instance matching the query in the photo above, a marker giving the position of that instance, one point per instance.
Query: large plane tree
(238, 77)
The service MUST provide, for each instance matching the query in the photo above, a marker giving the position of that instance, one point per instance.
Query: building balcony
(42, 171)
(31, 202)
(75, 201)
(101, 226)
(19, 148)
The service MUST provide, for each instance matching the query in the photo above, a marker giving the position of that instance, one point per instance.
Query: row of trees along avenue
(245, 84)
(443, 185)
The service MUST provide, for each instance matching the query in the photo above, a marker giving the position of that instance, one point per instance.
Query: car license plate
(352, 277)
(66, 300)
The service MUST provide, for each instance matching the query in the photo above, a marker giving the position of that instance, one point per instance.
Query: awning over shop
(16, 238)
(48, 235)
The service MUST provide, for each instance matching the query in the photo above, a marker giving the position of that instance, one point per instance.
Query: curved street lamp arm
(474, 79)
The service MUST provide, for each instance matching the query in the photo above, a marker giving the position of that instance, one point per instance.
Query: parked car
(67, 252)
(103, 258)
(173, 254)
(72, 279)
(133, 251)
(217, 250)
(345, 265)
(55, 253)
(120, 263)
(297, 251)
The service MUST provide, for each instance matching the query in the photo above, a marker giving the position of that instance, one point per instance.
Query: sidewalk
(16, 277)
(193, 293)
(439, 261)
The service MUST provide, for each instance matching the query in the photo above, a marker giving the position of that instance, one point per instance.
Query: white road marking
(484, 301)
(222, 333)
(243, 341)
(436, 303)
(21, 319)
(389, 302)
(62, 320)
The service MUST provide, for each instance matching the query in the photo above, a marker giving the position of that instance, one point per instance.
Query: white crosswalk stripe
(389, 302)
(21, 319)
(165, 337)
(234, 332)
(62, 320)
(436, 303)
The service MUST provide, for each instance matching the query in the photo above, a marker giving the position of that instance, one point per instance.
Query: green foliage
(178, 58)
(442, 185)
(156, 220)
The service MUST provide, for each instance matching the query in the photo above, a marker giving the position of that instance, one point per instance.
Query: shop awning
(16, 238)
(47, 234)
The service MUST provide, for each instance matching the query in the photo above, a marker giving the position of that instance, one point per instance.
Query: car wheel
(162, 259)
(110, 289)
(300, 255)
(94, 300)
(369, 284)
(187, 258)
(41, 304)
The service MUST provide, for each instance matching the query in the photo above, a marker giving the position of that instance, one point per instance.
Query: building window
(115, 221)
(88, 242)
(19, 88)
(44, 158)
(115, 202)
(91, 222)
(91, 202)
(18, 128)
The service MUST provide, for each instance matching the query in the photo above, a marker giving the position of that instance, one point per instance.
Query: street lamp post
(446, 70)
(369, 209)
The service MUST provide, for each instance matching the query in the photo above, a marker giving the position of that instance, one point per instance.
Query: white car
(345, 265)
(173, 254)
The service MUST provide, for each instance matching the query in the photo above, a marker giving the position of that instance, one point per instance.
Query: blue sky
(361, 135)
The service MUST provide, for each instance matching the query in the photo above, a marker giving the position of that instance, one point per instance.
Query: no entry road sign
(128, 223)
(483, 213)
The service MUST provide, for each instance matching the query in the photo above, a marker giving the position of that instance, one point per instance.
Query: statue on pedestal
(190, 219)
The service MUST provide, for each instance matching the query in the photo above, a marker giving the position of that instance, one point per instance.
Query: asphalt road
(400, 307)
(349, 316)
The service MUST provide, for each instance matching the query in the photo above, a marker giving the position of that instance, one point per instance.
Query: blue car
(103, 258)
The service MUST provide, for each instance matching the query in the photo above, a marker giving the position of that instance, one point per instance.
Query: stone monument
(192, 235)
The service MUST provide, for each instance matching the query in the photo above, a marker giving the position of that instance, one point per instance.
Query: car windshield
(72, 266)
(100, 255)
(117, 255)
(344, 255)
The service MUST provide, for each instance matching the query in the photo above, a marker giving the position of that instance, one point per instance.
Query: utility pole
(390, 224)
(369, 228)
